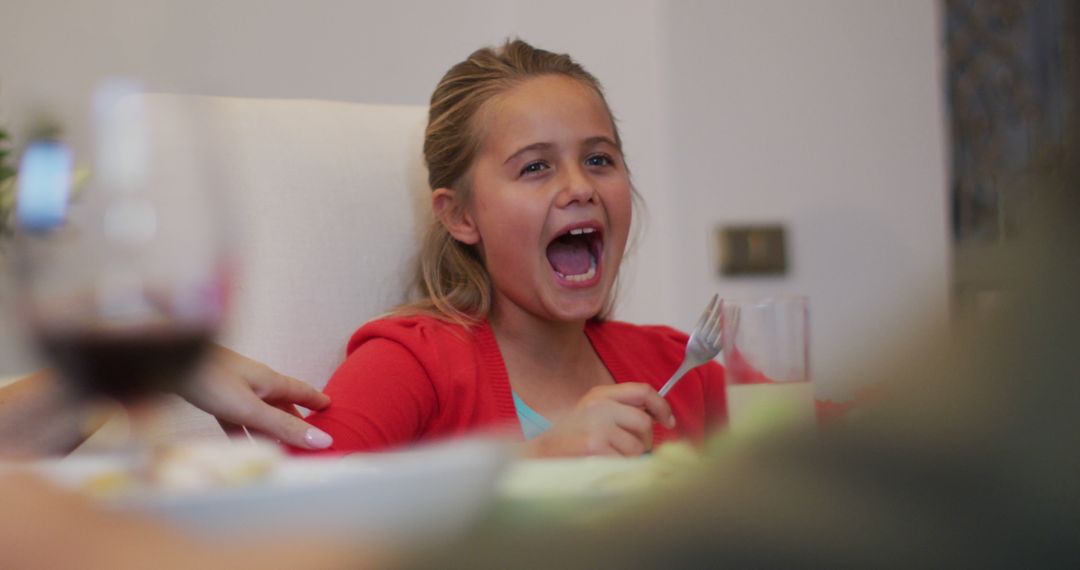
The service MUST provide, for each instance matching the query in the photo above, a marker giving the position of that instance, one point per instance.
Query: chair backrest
(329, 201)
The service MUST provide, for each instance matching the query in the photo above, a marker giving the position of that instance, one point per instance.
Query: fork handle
(685, 367)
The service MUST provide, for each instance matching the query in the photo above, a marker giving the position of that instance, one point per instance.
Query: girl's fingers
(643, 396)
(659, 409)
(626, 443)
(635, 422)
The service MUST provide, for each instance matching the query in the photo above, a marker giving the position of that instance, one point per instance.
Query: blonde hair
(451, 281)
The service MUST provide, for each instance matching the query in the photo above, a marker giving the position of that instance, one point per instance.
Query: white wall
(823, 115)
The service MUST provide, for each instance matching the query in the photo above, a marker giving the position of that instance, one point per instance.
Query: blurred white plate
(430, 493)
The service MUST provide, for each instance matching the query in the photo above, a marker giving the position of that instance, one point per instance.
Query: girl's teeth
(581, 276)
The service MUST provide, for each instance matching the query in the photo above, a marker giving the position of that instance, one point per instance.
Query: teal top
(532, 423)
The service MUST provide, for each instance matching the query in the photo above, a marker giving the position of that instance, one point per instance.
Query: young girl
(532, 204)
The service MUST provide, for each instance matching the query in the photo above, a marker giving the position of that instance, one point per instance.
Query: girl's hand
(242, 392)
(609, 420)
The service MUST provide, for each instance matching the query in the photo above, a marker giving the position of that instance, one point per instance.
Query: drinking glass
(767, 361)
(123, 285)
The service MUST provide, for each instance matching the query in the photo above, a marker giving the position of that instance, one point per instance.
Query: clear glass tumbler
(767, 359)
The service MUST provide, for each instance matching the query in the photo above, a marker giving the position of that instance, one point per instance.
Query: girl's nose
(576, 187)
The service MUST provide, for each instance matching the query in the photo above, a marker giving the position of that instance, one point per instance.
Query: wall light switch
(752, 250)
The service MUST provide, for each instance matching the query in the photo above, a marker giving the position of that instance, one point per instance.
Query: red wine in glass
(126, 365)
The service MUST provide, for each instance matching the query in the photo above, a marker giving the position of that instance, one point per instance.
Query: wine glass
(123, 285)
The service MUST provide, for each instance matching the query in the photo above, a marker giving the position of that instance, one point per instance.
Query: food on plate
(207, 465)
(185, 467)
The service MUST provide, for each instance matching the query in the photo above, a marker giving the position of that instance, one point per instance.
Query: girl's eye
(534, 167)
(599, 160)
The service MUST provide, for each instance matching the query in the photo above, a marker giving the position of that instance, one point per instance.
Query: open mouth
(575, 255)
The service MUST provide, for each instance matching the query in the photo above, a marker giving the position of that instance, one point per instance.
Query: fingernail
(671, 422)
(318, 439)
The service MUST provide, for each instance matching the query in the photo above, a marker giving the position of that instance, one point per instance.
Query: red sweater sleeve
(380, 396)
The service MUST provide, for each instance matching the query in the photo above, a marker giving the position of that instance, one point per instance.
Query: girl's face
(550, 199)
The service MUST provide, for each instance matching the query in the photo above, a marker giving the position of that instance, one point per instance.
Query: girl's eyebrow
(524, 149)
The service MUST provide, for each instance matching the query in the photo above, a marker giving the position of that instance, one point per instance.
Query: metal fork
(704, 343)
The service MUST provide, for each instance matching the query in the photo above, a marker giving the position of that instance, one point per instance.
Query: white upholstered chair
(329, 200)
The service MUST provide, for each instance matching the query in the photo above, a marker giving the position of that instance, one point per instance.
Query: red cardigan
(407, 379)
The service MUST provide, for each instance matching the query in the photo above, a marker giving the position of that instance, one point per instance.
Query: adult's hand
(609, 420)
(242, 392)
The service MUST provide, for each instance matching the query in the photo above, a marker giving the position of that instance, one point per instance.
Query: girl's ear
(453, 214)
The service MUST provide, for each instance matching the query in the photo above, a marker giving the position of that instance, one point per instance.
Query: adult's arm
(39, 417)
